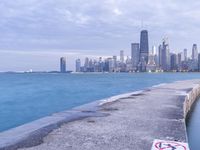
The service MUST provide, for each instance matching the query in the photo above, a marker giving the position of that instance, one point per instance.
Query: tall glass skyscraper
(165, 55)
(135, 54)
(173, 62)
(194, 52)
(185, 54)
(78, 65)
(62, 64)
(122, 56)
(144, 45)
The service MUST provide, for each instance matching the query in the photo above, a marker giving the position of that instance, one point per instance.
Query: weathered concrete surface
(131, 122)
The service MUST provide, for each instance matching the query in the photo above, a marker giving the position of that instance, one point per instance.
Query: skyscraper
(135, 54)
(78, 65)
(155, 54)
(185, 54)
(173, 62)
(151, 65)
(122, 56)
(165, 57)
(179, 61)
(153, 51)
(114, 63)
(86, 64)
(62, 64)
(160, 56)
(128, 64)
(194, 52)
(144, 46)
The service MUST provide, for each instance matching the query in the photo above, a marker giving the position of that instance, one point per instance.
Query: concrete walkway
(130, 123)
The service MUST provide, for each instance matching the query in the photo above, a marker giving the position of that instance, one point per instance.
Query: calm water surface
(27, 97)
(193, 127)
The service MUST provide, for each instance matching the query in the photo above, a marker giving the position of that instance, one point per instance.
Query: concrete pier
(128, 122)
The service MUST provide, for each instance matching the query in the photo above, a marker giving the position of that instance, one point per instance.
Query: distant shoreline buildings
(142, 59)
(63, 65)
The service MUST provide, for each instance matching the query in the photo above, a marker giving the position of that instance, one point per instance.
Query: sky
(34, 34)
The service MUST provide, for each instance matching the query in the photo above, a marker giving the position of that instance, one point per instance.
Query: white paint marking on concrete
(169, 145)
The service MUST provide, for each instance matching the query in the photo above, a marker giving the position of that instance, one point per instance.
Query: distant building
(106, 65)
(142, 65)
(194, 52)
(173, 62)
(128, 64)
(153, 51)
(101, 65)
(151, 65)
(144, 50)
(110, 65)
(114, 64)
(179, 61)
(192, 65)
(185, 54)
(144, 46)
(78, 65)
(165, 57)
(86, 64)
(142, 59)
(63, 65)
(135, 54)
(156, 56)
(122, 56)
(91, 66)
(160, 56)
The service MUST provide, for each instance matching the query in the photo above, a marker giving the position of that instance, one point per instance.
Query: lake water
(27, 97)
(193, 127)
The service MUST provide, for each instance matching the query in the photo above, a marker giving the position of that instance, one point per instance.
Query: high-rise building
(106, 65)
(122, 56)
(114, 63)
(91, 66)
(86, 64)
(142, 66)
(165, 57)
(128, 64)
(156, 56)
(173, 62)
(160, 56)
(194, 52)
(185, 54)
(78, 65)
(151, 65)
(153, 51)
(110, 64)
(135, 54)
(62, 64)
(101, 64)
(144, 46)
(179, 61)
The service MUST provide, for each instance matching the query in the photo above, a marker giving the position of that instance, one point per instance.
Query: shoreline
(32, 134)
(9, 139)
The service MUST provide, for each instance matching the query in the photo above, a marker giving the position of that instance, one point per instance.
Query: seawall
(129, 121)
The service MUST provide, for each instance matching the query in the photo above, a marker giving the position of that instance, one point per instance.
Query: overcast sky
(35, 33)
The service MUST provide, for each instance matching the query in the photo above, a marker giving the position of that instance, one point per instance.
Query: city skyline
(123, 56)
(34, 31)
(143, 59)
